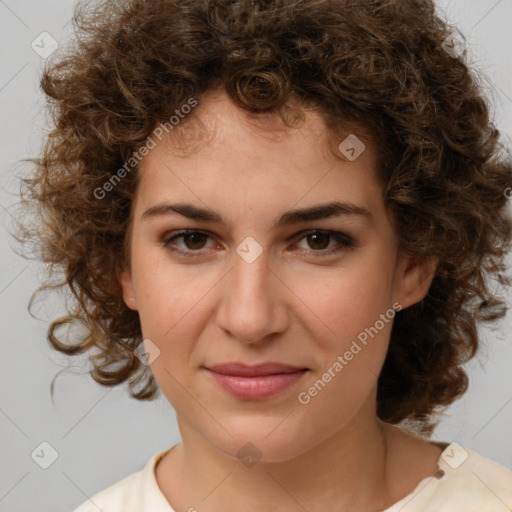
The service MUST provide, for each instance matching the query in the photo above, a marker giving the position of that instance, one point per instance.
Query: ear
(413, 279)
(124, 276)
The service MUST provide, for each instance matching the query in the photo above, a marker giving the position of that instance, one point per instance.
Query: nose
(253, 304)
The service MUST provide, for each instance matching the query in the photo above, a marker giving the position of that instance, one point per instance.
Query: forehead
(218, 119)
(223, 152)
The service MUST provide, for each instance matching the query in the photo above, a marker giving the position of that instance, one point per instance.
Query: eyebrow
(321, 211)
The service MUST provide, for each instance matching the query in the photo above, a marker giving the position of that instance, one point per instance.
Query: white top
(466, 482)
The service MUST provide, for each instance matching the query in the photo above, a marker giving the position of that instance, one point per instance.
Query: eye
(194, 242)
(319, 239)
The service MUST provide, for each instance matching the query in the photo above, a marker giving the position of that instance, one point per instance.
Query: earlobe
(415, 280)
(126, 282)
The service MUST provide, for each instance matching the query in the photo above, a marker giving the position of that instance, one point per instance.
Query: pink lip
(244, 370)
(256, 382)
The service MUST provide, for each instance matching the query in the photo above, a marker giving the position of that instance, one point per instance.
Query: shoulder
(130, 494)
(115, 497)
(471, 481)
(463, 480)
(467, 482)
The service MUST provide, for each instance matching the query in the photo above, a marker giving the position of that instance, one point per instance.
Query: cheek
(347, 301)
(168, 295)
(353, 347)
(172, 314)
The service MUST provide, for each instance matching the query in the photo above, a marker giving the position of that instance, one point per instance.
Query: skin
(287, 306)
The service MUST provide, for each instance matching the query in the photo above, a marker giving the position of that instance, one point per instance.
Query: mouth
(258, 370)
(256, 382)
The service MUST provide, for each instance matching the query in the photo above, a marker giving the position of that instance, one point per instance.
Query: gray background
(100, 434)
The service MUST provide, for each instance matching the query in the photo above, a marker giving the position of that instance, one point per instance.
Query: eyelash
(345, 241)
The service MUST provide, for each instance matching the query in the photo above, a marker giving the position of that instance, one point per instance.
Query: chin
(262, 441)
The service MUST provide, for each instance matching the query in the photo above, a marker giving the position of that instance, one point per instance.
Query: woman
(285, 216)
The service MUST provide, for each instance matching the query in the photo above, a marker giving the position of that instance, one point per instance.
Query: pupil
(316, 235)
(194, 236)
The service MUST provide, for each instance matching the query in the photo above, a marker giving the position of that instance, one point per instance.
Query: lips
(243, 370)
(256, 382)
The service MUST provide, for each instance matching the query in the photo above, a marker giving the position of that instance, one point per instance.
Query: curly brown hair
(382, 65)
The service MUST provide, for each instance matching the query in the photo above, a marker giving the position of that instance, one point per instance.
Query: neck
(333, 475)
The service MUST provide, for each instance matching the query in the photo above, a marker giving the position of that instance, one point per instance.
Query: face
(251, 285)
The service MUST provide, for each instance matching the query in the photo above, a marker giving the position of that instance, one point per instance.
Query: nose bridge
(252, 304)
(250, 274)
